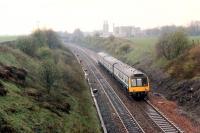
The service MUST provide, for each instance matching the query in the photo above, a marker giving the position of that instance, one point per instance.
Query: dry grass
(187, 66)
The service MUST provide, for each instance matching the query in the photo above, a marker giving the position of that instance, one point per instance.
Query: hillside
(31, 102)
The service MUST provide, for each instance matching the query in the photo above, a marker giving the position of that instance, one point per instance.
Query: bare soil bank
(186, 93)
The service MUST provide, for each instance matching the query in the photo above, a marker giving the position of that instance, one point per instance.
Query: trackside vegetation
(46, 90)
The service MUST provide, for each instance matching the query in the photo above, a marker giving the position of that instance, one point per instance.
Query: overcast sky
(23, 16)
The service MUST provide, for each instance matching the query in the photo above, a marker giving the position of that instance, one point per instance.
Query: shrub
(26, 45)
(53, 40)
(39, 38)
(48, 74)
(187, 65)
(44, 53)
(124, 48)
(171, 45)
(195, 54)
(77, 36)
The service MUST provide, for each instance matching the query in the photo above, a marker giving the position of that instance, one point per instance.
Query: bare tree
(171, 45)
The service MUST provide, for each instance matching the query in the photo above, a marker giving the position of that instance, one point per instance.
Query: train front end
(139, 85)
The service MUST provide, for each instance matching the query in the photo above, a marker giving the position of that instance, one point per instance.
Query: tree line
(193, 29)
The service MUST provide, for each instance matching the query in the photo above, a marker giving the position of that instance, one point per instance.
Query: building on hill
(126, 31)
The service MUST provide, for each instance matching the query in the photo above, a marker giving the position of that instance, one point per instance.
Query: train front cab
(139, 85)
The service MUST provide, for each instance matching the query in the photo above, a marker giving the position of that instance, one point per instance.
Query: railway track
(128, 121)
(161, 121)
(124, 114)
(109, 122)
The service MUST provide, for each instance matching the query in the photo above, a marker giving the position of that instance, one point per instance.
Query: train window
(139, 82)
(133, 83)
(144, 82)
(126, 80)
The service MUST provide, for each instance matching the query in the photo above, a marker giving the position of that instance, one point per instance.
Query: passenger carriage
(135, 81)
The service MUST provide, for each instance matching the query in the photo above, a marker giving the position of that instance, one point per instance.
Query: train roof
(102, 54)
(111, 59)
(126, 69)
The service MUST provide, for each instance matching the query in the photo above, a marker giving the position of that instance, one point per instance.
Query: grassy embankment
(31, 108)
(145, 46)
(129, 50)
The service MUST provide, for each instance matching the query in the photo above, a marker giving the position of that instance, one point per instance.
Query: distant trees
(52, 39)
(194, 28)
(164, 29)
(171, 45)
(152, 32)
(77, 36)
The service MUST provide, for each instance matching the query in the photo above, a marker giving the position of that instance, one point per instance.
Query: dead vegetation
(172, 45)
(14, 74)
(186, 66)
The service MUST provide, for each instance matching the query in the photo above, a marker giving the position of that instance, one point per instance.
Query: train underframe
(139, 95)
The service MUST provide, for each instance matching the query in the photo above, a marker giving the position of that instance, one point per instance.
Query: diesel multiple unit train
(134, 81)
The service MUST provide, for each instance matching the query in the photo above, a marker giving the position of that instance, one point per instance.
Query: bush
(26, 45)
(195, 54)
(44, 53)
(53, 40)
(48, 74)
(187, 65)
(124, 48)
(39, 38)
(77, 36)
(171, 45)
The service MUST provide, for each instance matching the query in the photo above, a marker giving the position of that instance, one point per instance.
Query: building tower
(105, 27)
